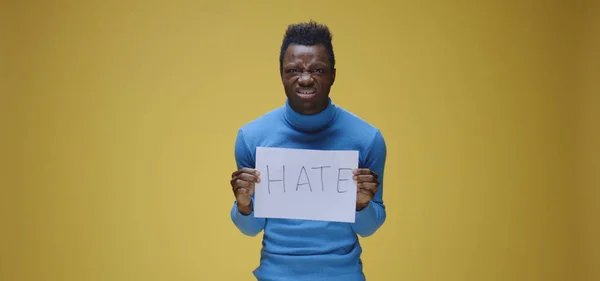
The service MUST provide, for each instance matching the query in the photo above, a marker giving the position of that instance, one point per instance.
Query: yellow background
(119, 118)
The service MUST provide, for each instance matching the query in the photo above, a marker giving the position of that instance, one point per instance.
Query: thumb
(243, 198)
(251, 188)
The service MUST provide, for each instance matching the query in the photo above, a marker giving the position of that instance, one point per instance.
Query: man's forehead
(315, 52)
(306, 46)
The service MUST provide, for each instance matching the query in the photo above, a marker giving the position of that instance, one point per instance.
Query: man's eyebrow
(310, 65)
(319, 64)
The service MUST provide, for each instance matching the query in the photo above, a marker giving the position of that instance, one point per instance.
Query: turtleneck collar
(309, 123)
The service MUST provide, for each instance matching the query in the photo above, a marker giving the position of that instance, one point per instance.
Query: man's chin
(308, 108)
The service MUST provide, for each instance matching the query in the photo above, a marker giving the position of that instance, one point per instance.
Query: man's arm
(369, 219)
(246, 223)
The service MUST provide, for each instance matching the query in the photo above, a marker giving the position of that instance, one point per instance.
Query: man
(303, 249)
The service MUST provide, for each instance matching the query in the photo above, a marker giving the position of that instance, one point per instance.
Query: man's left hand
(367, 185)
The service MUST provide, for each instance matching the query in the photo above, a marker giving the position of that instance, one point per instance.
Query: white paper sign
(306, 184)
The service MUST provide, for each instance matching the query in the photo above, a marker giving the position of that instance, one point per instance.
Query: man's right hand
(242, 184)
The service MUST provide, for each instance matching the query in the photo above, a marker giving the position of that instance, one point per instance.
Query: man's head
(307, 66)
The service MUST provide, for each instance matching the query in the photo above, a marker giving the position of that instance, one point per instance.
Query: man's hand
(242, 184)
(367, 185)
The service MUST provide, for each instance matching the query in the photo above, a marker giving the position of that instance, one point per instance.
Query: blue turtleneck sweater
(301, 250)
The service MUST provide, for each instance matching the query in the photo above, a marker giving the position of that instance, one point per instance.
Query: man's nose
(305, 79)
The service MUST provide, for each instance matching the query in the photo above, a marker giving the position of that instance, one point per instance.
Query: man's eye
(320, 70)
(293, 70)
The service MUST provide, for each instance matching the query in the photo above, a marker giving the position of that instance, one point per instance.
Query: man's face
(307, 77)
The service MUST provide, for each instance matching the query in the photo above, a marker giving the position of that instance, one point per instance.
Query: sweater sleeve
(369, 219)
(247, 224)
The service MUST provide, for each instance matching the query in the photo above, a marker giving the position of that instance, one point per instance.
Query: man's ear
(333, 76)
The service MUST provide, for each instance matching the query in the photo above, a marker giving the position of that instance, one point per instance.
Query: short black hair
(307, 34)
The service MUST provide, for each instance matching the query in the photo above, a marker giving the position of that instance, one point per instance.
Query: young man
(301, 249)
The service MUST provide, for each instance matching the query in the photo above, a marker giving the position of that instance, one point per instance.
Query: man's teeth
(306, 92)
